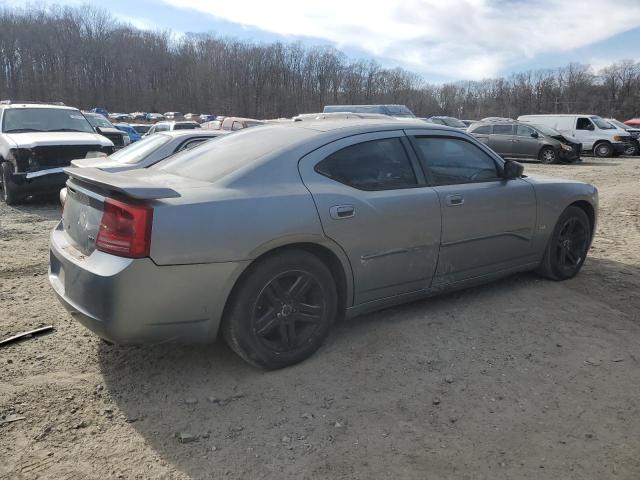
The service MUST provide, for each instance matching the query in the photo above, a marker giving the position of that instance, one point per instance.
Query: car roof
(195, 132)
(36, 105)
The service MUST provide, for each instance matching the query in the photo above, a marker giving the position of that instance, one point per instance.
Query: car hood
(41, 139)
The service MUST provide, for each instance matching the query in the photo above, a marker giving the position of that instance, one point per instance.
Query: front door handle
(454, 200)
(340, 212)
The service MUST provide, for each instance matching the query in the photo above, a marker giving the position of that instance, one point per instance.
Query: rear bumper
(131, 301)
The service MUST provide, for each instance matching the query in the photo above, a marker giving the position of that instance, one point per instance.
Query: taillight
(125, 229)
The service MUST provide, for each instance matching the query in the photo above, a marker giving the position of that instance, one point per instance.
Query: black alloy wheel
(288, 311)
(568, 246)
(282, 309)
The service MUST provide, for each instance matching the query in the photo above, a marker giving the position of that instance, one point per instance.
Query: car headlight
(126, 140)
(566, 147)
(620, 138)
(24, 158)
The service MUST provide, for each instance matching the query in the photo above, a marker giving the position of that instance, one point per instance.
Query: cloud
(470, 39)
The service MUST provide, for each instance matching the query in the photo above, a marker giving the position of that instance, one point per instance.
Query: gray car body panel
(400, 245)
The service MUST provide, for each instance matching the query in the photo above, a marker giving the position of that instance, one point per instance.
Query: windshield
(618, 124)
(602, 124)
(136, 152)
(17, 120)
(141, 129)
(453, 122)
(98, 120)
(399, 111)
(549, 132)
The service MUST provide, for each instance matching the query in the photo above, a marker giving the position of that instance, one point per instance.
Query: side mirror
(591, 127)
(534, 134)
(512, 169)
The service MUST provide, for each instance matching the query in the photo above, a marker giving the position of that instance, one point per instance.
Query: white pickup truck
(37, 140)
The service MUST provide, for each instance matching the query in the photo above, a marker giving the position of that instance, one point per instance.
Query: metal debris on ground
(25, 335)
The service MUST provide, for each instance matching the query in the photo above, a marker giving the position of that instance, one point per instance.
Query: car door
(501, 139)
(372, 200)
(487, 222)
(526, 142)
(585, 132)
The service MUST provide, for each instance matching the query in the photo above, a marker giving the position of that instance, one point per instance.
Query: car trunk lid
(89, 188)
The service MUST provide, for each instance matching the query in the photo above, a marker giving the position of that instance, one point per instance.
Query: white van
(595, 133)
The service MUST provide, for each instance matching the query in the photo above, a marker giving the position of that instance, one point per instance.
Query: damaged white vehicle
(37, 140)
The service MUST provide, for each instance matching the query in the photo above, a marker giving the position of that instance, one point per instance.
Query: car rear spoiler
(128, 185)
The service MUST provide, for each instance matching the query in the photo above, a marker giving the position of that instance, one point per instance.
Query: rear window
(212, 161)
(185, 126)
(354, 109)
(138, 151)
(482, 129)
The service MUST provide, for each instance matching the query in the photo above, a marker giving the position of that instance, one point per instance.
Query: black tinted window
(376, 165)
(486, 129)
(584, 124)
(452, 161)
(503, 129)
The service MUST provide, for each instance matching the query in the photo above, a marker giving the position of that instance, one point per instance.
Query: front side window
(162, 128)
(524, 131)
(452, 161)
(584, 124)
(375, 165)
(503, 129)
(18, 120)
(99, 121)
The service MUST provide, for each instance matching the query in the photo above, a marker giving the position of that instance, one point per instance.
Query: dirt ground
(523, 378)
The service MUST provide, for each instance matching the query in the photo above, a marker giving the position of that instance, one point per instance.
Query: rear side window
(503, 129)
(375, 165)
(452, 161)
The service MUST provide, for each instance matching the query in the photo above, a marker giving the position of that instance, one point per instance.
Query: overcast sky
(441, 39)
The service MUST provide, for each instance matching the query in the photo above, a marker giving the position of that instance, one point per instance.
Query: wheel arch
(587, 208)
(328, 252)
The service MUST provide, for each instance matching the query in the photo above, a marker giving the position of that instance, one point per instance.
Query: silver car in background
(270, 234)
(150, 150)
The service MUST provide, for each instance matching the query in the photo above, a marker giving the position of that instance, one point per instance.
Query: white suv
(37, 140)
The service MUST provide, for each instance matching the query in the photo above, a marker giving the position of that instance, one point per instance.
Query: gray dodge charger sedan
(270, 234)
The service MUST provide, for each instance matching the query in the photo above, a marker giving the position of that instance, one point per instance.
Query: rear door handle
(454, 200)
(339, 212)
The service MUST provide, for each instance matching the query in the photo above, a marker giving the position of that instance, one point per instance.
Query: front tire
(568, 246)
(9, 193)
(548, 155)
(282, 310)
(603, 150)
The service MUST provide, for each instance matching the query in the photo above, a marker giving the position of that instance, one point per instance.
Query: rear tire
(9, 193)
(568, 246)
(548, 155)
(603, 150)
(282, 310)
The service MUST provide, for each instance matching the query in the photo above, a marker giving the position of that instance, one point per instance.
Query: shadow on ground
(452, 386)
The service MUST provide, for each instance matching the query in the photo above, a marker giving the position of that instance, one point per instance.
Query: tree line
(85, 57)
